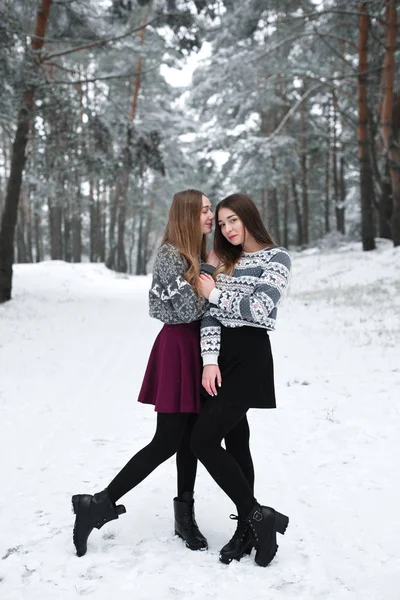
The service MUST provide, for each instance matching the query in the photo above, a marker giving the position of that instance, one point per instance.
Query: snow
(74, 343)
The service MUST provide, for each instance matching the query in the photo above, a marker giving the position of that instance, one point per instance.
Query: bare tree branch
(304, 34)
(105, 78)
(100, 43)
(294, 108)
(318, 13)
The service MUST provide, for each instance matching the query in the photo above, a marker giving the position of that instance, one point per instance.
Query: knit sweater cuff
(214, 296)
(210, 359)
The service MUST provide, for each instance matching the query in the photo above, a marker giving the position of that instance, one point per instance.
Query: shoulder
(281, 254)
(167, 249)
(277, 255)
(167, 258)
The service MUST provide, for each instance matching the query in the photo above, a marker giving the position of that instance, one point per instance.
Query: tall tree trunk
(366, 182)
(327, 223)
(382, 184)
(55, 225)
(117, 256)
(386, 205)
(304, 173)
(146, 254)
(103, 221)
(121, 263)
(21, 246)
(96, 234)
(335, 177)
(29, 231)
(342, 185)
(132, 244)
(327, 212)
(297, 209)
(139, 259)
(37, 233)
(67, 227)
(76, 226)
(18, 158)
(1, 198)
(337, 173)
(93, 224)
(273, 215)
(286, 215)
(392, 142)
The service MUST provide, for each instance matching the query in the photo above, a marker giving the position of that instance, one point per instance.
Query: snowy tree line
(300, 98)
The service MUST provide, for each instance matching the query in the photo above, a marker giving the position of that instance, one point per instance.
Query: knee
(169, 451)
(198, 442)
(203, 443)
(165, 447)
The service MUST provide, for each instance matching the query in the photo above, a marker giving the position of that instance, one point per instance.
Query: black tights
(173, 435)
(219, 417)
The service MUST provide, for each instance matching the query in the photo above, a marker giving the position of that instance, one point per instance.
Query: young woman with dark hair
(172, 382)
(238, 366)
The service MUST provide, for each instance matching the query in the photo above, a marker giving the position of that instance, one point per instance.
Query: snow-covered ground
(73, 347)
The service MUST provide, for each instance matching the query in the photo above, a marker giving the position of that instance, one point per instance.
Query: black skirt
(247, 367)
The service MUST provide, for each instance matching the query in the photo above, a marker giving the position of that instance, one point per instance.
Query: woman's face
(206, 216)
(231, 226)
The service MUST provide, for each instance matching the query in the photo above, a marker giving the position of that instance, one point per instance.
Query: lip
(232, 237)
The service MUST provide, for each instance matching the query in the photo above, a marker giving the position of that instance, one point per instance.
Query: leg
(216, 420)
(95, 511)
(186, 461)
(237, 442)
(166, 441)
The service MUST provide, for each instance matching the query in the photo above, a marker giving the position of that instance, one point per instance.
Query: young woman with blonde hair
(172, 382)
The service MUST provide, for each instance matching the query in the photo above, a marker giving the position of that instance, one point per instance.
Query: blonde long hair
(184, 233)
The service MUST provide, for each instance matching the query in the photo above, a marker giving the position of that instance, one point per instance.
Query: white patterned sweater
(247, 297)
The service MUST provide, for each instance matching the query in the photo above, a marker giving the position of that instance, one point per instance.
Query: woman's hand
(212, 259)
(211, 374)
(206, 285)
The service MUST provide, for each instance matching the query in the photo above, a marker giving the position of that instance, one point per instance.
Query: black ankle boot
(92, 511)
(185, 523)
(264, 522)
(240, 544)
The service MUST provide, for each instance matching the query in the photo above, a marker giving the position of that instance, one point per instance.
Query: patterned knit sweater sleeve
(210, 339)
(172, 299)
(256, 306)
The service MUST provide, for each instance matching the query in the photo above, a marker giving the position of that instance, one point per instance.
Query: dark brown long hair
(244, 207)
(184, 233)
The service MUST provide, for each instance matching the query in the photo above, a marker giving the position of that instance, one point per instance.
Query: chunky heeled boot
(185, 523)
(240, 544)
(264, 522)
(92, 511)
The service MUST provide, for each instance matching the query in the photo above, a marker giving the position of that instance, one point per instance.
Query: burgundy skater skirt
(172, 381)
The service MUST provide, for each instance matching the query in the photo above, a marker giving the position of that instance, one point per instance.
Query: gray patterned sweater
(172, 299)
(248, 297)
